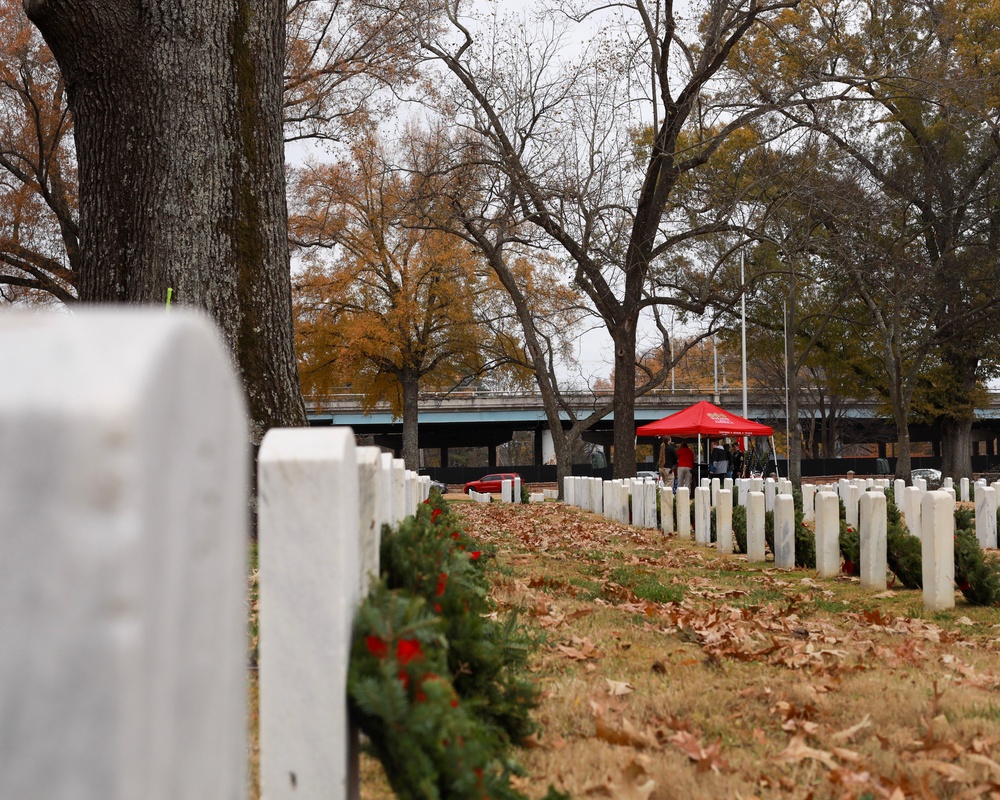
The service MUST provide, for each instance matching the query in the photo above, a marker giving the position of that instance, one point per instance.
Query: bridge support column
(548, 447)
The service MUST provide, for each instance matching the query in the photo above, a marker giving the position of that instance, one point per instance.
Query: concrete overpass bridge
(470, 418)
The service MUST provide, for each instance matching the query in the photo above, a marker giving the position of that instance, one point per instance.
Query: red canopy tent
(708, 419)
(704, 418)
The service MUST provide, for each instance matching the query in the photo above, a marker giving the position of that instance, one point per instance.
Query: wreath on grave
(740, 527)
(903, 552)
(435, 683)
(976, 577)
(850, 546)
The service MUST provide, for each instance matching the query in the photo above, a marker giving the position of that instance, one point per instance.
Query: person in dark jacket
(719, 460)
(668, 462)
(735, 461)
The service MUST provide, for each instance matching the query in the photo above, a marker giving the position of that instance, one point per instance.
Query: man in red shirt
(685, 465)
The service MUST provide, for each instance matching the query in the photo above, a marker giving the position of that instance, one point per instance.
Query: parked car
(932, 476)
(491, 484)
(441, 486)
(645, 473)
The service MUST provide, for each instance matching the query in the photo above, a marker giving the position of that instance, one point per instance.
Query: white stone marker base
(986, 516)
(784, 531)
(770, 492)
(872, 527)
(808, 502)
(666, 509)
(374, 512)
(597, 495)
(702, 515)
(755, 527)
(308, 540)
(911, 510)
(683, 513)
(649, 499)
(399, 510)
(898, 487)
(938, 514)
(851, 499)
(507, 491)
(724, 521)
(123, 486)
(827, 534)
(964, 487)
(638, 504)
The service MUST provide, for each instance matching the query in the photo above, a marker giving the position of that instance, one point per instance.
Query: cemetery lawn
(669, 671)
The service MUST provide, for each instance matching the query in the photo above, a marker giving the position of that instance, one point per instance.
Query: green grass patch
(831, 606)
(654, 591)
(758, 597)
(588, 585)
(989, 712)
(626, 576)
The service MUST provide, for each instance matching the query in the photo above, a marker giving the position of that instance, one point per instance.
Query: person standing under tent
(668, 462)
(685, 465)
(735, 461)
(719, 460)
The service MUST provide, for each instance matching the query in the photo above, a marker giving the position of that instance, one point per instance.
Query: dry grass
(669, 671)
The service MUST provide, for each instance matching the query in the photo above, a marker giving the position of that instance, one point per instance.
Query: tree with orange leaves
(38, 223)
(386, 306)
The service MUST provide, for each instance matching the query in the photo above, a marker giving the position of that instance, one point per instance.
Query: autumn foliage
(38, 228)
(384, 302)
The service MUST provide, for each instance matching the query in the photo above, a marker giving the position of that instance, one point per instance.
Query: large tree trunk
(794, 444)
(956, 448)
(624, 402)
(177, 118)
(955, 424)
(903, 463)
(410, 382)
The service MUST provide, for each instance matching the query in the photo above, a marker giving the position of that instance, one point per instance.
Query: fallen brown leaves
(756, 681)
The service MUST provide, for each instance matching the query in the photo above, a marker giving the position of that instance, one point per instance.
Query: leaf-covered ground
(669, 671)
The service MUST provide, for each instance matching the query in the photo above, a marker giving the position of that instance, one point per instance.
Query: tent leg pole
(774, 451)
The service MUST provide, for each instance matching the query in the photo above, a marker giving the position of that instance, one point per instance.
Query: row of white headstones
(124, 479)
(927, 514)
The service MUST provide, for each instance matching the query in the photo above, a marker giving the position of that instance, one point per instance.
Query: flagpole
(743, 336)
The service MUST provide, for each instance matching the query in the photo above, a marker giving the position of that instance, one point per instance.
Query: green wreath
(435, 683)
